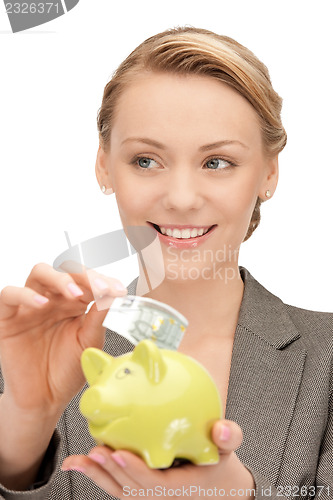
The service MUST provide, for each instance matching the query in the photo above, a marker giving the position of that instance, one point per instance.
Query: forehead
(156, 104)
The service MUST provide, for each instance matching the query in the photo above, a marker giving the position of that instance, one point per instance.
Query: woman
(190, 133)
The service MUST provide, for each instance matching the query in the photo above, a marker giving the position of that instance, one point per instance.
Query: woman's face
(187, 151)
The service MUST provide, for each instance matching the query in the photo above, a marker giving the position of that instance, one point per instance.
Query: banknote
(137, 318)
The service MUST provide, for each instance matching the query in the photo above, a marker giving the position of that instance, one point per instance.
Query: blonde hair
(201, 52)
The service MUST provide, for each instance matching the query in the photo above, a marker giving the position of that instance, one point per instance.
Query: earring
(106, 190)
(268, 193)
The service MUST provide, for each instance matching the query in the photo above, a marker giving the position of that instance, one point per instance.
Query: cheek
(132, 203)
(135, 195)
(244, 204)
(238, 203)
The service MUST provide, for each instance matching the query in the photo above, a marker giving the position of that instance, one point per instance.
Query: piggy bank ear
(148, 355)
(93, 362)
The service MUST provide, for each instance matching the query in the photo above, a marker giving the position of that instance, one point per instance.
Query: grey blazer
(280, 393)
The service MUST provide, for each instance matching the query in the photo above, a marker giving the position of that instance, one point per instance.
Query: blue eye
(144, 162)
(218, 164)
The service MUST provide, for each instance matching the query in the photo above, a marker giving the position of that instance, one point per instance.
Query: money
(137, 318)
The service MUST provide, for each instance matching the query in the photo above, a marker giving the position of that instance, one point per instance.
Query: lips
(182, 232)
(178, 235)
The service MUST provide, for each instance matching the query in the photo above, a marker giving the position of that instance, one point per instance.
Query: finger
(101, 286)
(227, 435)
(95, 472)
(105, 289)
(44, 277)
(12, 297)
(120, 468)
(126, 467)
(135, 473)
(87, 285)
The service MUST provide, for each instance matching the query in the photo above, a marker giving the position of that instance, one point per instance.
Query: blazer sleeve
(41, 489)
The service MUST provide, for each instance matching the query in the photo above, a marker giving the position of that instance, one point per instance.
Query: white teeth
(184, 233)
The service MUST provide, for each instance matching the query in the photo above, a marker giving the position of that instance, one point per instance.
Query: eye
(218, 164)
(123, 372)
(145, 162)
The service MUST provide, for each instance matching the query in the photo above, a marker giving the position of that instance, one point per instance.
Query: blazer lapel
(265, 377)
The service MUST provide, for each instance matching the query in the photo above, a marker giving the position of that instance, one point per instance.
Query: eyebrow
(222, 143)
(206, 147)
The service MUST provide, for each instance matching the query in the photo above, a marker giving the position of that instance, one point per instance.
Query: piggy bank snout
(91, 404)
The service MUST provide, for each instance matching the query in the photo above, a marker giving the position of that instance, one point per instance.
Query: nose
(182, 190)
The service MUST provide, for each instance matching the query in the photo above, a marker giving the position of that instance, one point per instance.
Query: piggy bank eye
(123, 373)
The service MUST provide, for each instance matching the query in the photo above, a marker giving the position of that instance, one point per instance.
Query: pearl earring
(268, 194)
(106, 190)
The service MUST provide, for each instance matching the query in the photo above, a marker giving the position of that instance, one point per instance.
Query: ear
(93, 362)
(270, 178)
(148, 355)
(101, 170)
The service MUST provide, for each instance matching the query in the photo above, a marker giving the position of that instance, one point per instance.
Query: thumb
(93, 331)
(227, 435)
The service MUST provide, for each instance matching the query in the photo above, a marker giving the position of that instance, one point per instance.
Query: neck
(209, 305)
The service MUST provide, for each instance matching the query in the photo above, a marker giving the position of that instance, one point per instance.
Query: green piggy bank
(157, 403)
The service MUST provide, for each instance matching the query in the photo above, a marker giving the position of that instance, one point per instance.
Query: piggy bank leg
(208, 455)
(158, 458)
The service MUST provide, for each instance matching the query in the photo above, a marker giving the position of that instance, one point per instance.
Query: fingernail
(40, 299)
(118, 459)
(74, 467)
(96, 457)
(101, 284)
(224, 433)
(74, 289)
(119, 287)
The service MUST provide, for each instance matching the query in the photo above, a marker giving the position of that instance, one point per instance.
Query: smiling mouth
(183, 233)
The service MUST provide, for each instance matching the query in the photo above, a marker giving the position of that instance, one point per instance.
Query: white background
(51, 86)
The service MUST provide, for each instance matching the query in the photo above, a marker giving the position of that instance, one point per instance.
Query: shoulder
(281, 324)
(316, 338)
(312, 324)
(316, 330)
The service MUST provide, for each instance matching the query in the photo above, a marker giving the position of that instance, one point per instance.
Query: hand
(123, 474)
(43, 330)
